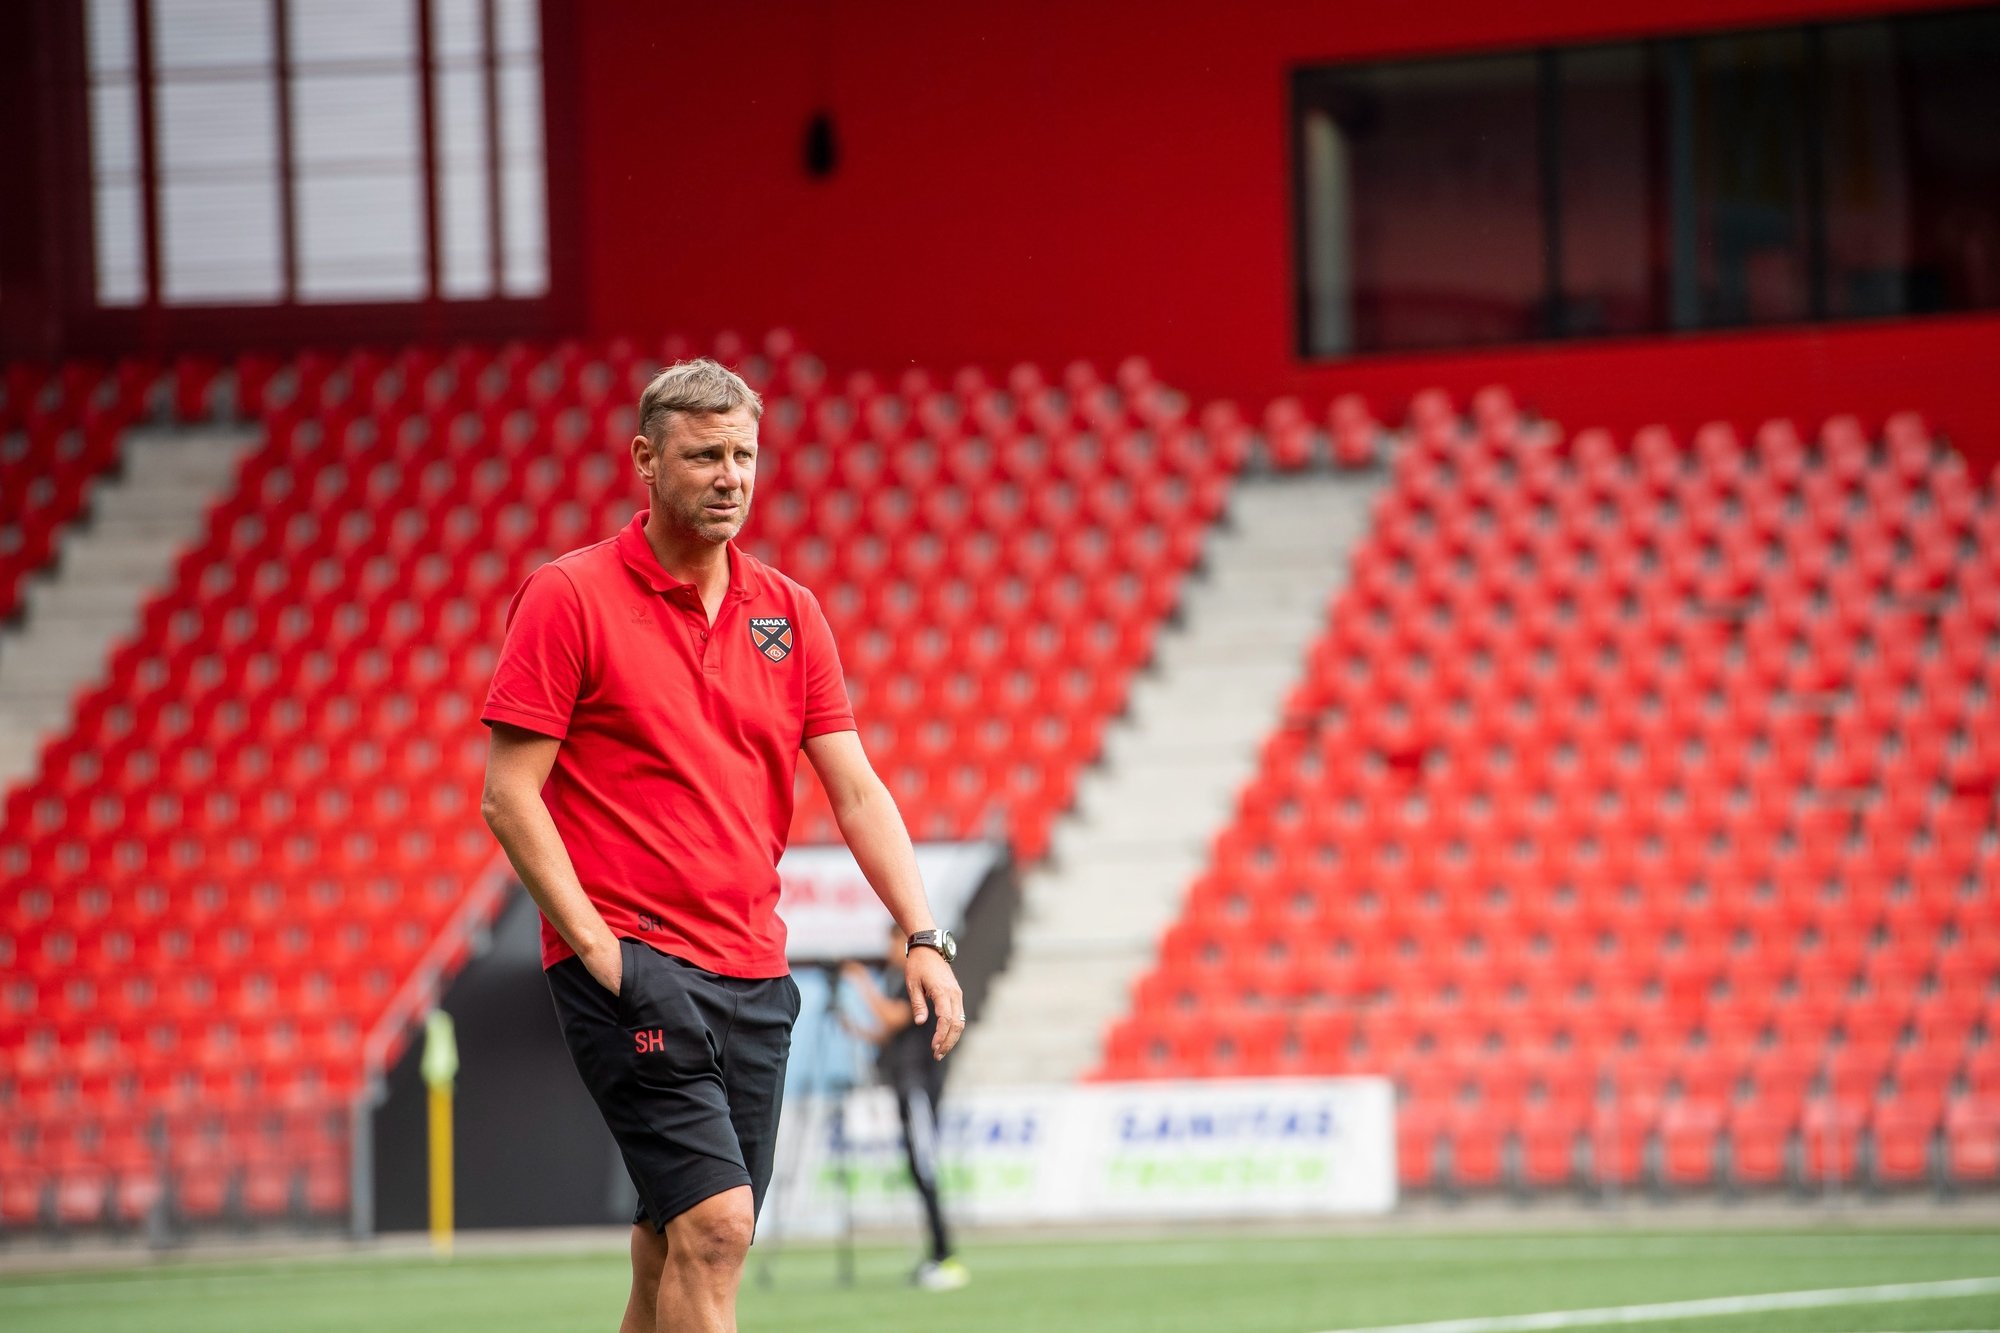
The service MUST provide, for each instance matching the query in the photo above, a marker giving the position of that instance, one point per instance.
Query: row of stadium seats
(187, 1169)
(270, 805)
(1695, 1144)
(1652, 780)
(60, 425)
(565, 401)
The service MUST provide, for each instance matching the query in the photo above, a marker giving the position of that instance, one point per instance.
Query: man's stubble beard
(694, 518)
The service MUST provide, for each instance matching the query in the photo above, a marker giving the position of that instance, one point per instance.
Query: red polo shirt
(673, 786)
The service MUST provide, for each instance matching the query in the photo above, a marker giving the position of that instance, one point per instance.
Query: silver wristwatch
(940, 940)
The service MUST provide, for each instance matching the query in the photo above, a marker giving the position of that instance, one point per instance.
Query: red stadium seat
(1418, 1128)
(1830, 1134)
(25, 1200)
(1550, 1137)
(1972, 1140)
(1901, 1138)
(1477, 1139)
(1691, 1131)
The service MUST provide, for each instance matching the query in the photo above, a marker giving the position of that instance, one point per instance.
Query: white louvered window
(259, 152)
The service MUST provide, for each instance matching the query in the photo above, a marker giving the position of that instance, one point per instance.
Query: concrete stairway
(1121, 861)
(107, 564)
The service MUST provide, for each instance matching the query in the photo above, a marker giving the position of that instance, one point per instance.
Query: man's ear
(643, 458)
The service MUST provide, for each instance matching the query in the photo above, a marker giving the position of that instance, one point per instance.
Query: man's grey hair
(701, 387)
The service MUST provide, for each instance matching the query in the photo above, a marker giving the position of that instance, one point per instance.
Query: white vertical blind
(354, 85)
(465, 225)
(519, 27)
(109, 24)
(118, 234)
(216, 145)
(524, 194)
(523, 198)
(357, 160)
(212, 35)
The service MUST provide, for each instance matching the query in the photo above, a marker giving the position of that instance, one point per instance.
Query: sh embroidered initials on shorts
(646, 1041)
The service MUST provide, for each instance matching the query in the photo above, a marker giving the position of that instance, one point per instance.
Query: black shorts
(688, 1069)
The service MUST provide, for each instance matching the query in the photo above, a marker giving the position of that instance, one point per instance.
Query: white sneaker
(949, 1275)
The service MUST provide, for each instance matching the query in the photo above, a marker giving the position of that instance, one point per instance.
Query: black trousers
(916, 1103)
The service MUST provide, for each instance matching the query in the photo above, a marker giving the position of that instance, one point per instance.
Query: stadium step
(1142, 821)
(106, 566)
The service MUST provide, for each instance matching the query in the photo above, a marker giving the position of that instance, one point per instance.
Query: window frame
(156, 326)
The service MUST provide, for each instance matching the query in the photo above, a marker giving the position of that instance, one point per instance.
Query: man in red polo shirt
(650, 703)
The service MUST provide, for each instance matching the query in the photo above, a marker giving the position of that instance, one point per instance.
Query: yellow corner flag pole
(440, 1068)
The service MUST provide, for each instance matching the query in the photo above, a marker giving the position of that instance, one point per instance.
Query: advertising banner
(831, 914)
(1237, 1148)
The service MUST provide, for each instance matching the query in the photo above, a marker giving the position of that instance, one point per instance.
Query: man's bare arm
(887, 1013)
(875, 833)
(517, 764)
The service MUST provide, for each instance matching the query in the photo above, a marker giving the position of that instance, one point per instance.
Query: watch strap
(931, 939)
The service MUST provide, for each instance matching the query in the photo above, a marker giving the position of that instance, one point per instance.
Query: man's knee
(715, 1233)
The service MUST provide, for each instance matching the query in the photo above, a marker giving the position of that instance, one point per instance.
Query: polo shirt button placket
(711, 665)
(697, 620)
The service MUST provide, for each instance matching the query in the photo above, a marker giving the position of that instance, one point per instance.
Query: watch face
(947, 946)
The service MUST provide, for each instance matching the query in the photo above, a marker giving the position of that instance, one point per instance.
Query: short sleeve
(540, 672)
(827, 705)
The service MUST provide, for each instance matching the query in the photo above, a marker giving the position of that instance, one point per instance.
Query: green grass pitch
(1220, 1283)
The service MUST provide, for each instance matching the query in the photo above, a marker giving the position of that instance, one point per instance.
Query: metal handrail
(417, 994)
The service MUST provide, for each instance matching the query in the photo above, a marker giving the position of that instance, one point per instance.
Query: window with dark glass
(1606, 195)
(1949, 69)
(1711, 181)
(1421, 186)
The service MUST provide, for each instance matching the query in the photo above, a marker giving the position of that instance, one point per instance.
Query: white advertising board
(1236, 1148)
(830, 913)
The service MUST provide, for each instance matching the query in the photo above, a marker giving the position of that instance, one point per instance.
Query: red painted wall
(1052, 180)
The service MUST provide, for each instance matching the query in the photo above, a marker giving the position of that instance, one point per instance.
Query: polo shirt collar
(639, 555)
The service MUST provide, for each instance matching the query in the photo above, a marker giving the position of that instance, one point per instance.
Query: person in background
(905, 1061)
